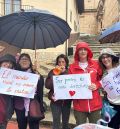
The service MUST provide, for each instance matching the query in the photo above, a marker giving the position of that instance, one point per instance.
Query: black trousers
(115, 121)
(23, 120)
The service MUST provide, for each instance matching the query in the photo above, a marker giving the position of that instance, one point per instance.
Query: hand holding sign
(92, 87)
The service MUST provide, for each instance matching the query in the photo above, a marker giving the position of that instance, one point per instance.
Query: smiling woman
(23, 105)
(109, 61)
(83, 63)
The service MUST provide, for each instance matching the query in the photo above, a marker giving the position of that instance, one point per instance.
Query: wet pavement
(13, 125)
(45, 123)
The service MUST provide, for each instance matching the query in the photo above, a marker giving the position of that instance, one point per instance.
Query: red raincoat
(87, 105)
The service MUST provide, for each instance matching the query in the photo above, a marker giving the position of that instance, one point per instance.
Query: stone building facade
(98, 15)
(108, 13)
(88, 22)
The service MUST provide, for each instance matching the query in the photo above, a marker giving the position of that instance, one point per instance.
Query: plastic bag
(107, 111)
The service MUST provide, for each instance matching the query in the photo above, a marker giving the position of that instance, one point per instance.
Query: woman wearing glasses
(22, 105)
(108, 62)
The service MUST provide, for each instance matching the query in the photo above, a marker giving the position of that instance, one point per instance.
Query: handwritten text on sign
(17, 83)
(73, 86)
(111, 83)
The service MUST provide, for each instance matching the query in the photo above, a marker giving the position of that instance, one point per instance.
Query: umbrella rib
(42, 35)
(51, 36)
(13, 19)
(56, 22)
(26, 33)
(54, 30)
(49, 32)
(8, 30)
(10, 27)
(16, 34)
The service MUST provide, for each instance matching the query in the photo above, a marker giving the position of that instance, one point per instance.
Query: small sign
(72, 86)
(111, 83)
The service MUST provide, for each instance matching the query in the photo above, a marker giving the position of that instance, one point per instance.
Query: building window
(12, 6)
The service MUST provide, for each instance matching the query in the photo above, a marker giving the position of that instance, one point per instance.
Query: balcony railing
(7, 8)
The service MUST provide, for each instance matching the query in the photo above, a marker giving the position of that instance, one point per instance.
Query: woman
(58, 107)
(6, 101)
(108, 61)
(83, 63)
(22, 105)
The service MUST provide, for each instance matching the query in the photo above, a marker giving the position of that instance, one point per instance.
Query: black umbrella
(111, 34)
(33, 29)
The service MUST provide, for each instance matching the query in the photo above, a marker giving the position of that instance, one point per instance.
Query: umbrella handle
(35, 65)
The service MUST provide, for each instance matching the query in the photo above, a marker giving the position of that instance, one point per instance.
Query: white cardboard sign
(17, 83)
(111, 83)
(72, 86)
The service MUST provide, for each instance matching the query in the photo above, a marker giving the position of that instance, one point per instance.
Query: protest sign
(111, 83)
(72, 86)
(18, 83)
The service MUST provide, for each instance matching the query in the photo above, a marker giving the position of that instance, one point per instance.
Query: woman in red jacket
(83, 63)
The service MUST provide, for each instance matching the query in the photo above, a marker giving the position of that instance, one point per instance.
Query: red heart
(71, 93)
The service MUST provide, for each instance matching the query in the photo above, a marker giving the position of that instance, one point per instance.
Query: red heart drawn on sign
(72, 93)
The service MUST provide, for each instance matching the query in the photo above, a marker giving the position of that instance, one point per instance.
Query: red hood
(82, 45)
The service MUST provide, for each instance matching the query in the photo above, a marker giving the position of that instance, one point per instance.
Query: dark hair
(115, 62)
(26, 55)
(65, 58)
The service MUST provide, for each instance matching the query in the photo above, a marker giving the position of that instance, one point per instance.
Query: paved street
(13, 125)
(44, 124)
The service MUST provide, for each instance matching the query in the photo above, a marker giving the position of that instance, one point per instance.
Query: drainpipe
(119, 9)
(66, 43)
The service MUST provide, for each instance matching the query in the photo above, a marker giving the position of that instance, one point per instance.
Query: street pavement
(13, 125)
(44, 124)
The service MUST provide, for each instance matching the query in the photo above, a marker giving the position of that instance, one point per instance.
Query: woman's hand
(63, 69)
(92, 87)
(53, 98)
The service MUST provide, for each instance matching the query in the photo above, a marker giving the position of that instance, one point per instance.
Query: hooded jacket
(87, 105)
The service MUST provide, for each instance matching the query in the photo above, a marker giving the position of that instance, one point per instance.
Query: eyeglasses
(24, 59)
(104, 57)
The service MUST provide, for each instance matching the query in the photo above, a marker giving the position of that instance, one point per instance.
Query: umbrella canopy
(33, 29)
(111, 35)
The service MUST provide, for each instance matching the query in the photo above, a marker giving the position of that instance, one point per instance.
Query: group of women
(83, 108)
